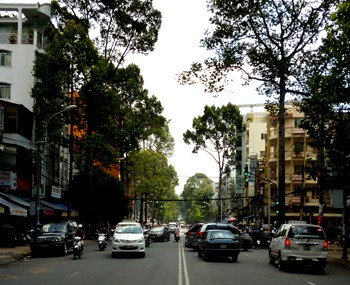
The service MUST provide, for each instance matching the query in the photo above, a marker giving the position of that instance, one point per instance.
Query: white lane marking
(187, 280)
(74, 274)
(180, 267)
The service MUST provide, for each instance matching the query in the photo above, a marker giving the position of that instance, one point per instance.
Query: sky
(183, 25)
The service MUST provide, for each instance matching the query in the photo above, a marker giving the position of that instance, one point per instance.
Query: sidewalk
(8, 255)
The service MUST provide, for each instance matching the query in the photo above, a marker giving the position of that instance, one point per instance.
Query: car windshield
(53, 228)
(156, 230)
(306, 232)
(220, 235)
(129, 230)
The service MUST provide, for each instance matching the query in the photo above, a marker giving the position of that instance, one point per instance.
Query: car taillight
(287, 243)
(199, 234)
(325, 245)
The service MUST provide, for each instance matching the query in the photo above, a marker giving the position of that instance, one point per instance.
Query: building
(22, 29)
(302, 193)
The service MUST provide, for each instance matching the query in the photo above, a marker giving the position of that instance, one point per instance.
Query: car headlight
(140, 240)
(57, 239)
(116, 240)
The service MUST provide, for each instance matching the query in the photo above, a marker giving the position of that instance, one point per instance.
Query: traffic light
(276, 208)
(246, 176)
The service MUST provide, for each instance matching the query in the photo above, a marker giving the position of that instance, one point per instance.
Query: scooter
(77, 251)
(147, 238)
(102, 242)
(177, 237)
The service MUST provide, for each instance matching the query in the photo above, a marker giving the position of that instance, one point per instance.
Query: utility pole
(38, 184)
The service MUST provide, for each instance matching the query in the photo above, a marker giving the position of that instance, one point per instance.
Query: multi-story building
(301, 191)
(22, 29)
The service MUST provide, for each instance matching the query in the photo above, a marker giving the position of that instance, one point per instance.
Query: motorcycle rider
(176, 231)
(81, 233)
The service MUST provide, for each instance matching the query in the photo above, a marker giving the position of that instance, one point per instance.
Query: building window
(315, 194)
(5, 91)
(298, 169)
(297, 122)
(5, 58)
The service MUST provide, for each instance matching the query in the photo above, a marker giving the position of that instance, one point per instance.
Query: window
(297, 122)
(5, 58)
(298, 169)
(5, 91)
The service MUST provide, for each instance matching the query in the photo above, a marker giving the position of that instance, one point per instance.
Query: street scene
(165, 262)
(179, 142)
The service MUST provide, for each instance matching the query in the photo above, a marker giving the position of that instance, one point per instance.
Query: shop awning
(14, 209)
(59, 207)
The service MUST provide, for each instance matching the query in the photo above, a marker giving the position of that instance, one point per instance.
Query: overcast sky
(183, 25)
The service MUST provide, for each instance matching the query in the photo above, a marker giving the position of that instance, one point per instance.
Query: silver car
(298, 242)
(128, 239)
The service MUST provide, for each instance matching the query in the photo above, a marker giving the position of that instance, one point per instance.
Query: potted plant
(30, 36)
(13, 38)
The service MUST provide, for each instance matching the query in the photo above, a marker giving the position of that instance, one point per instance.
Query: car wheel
(64, 249)
(234, 258)
(205, 256)
(271, 259)
(143, 254)
(199, 253)
(34, 253)
(114, 254)
(246, 245)
(281, 264)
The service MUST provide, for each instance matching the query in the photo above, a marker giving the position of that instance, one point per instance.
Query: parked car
(299, 243)
(54, 237)
(245, 240)
(128, 239)
(159, 234)
(190, 236)
(218, 243)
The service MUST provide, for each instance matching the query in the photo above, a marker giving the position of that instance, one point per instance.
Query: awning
(60, 207)
(14, 209)
(23, 201)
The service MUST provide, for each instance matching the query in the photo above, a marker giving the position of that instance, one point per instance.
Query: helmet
(80, 226)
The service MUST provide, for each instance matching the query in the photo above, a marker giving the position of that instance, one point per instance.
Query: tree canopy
(215, 132)
(269, 41)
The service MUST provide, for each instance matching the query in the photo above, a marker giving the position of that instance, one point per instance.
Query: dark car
(190, 236)
(218, 243)
(245, 240)
(54, 237)
(159, 234)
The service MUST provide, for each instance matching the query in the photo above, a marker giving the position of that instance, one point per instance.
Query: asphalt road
(165, 263)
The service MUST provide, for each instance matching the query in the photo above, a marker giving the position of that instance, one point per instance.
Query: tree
(196, 199)
(216, 133)
(268, 41)
(326, 110)
(123, 26)
(153, 179)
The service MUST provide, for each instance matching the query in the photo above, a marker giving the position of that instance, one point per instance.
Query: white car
(298, 242)
(128, 239)
(172, 226)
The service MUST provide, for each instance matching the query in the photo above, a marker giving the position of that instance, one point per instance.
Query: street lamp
(66, 109)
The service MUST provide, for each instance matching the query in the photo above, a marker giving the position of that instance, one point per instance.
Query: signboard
(8, 179)
(56, 192)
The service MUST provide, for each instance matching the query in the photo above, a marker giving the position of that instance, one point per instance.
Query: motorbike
(102, 241)
(147, 238)
(177, 237)
(77, 250)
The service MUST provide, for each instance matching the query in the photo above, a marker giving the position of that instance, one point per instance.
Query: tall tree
(216, 133)
(268, 41)
(122, 26)
(326, 110)
(196, 199)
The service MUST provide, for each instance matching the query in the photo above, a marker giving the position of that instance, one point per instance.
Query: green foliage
(196, 199)
(327, 109)
(123, 26)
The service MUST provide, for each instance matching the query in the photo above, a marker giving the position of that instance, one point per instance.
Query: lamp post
(66, 109)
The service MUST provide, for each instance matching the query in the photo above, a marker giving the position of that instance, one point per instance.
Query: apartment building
(302, 192)
(22, 29)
